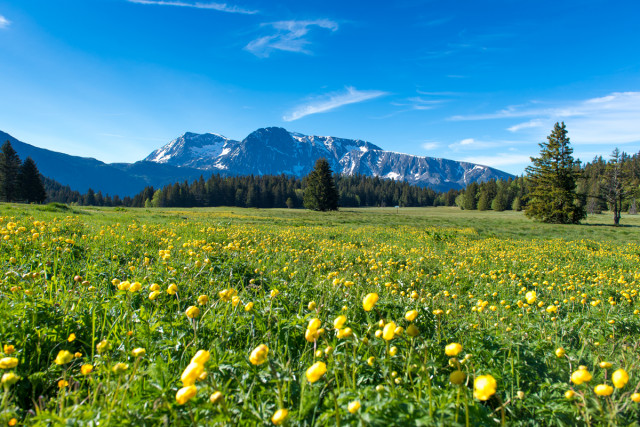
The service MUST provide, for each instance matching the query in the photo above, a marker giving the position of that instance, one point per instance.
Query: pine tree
(553, 178)
(614, 185)
(30, 182)
(9, 167)
(320, 193)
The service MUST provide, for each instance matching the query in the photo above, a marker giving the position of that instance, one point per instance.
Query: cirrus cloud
(332, 101)
(288, 36)
(221, 7)
(4, 22)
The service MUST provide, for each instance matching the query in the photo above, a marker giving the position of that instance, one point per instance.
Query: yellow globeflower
(581, 376)
(102, 346)
(172, 289)
(369, 301)
(552, 309)
(86, 369)
(153, 295)
(389, 331)
(138, 352)
(201, 357)
(280, 416)
(192, 312)
(311, 335)
(119, 368)
(314, 324)
(72, 337)
(259, 355)
(605, 365)
(354, 406)
(8, 363)
(339, 322)
(191, 373)
(412, 330)
(560, 352)
(531, 297)
(453, 349)
(185, 394)
(457, 377)
(620, 378)
(569, 394)
(248, 306)
(316, 371)
(10, 379)
(411, 315)
(203, 299)
(63, 357)
(312, 305)
(484, 387)
(393, 351)
(216, 397)
(603, 390)
(635, 397)
(9, 349)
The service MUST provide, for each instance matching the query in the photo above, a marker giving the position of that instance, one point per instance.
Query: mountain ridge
(265, 151)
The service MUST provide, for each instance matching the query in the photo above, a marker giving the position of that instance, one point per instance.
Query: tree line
(559, 189)
(19, 181)
(265, 191)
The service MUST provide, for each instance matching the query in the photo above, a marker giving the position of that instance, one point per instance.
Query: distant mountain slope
(266, 151)
(272, 151)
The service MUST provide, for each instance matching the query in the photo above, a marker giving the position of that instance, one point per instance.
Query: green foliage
(9, 169)
(553, 179)
(320, 193)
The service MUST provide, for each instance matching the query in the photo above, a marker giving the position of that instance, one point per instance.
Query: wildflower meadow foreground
(245, 317)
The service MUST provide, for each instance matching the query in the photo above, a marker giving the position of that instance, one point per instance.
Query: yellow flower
(10, 379)
(102, 346)
(412, 330)
(457, 377)
(259, 355)
(248, 306)
(137, 352)
(569, 394)
(311, 335)
(235, 300)
(312, 305)
(135, 287)
(369, 301)
(63, 357)
(280, 416)
(185, 394)
(620, 378)
(389, 331)
(453, 349)
(203, 299)
(192, 312)
(172, 289)
(86, 369)
(274, 293)
(72, 337)
(339, 322)
(314, 324)
(635, 397)
(560, 352)
(603, 390)
(354, 406)
(344, 333)
(552, 309)
(371, 360)
(316, 371)
(154, 287)
(484, 387)
(63, 383)
(531, 297)
(411, 315)
(393, 351)
(605, 365)
(201, 357)
(13, 422)
(191, 373)
(9, 349)
(215, 397)
(119, 368)
(153, 295)
(580, 376)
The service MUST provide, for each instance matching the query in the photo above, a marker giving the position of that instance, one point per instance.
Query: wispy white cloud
(419, 103)
(4, 22)
(222, 7)
(430, 145)
(289, 36)
(471, 144)
(611, 119)
(332, 101)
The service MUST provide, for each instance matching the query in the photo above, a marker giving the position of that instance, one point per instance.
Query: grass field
(234, 316)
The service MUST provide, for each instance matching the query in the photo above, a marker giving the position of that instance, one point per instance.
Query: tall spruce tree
(9, 168)
(553, 178)
(614, 186)
(30, 182)
(320, 193)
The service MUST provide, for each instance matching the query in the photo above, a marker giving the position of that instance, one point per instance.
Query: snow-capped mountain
(274, 151)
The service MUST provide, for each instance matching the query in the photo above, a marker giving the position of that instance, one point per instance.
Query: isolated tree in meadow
(9, 168)
(30, 182)
(320, 193)
(614, 187)
(553, 179)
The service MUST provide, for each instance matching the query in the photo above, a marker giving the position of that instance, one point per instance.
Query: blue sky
(481, 81)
